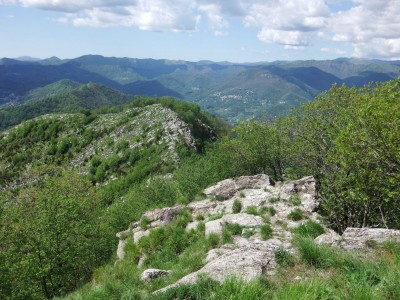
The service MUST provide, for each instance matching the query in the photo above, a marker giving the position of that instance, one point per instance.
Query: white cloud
(288, 22)
(371, 27)
(154, 15)
(215, 17)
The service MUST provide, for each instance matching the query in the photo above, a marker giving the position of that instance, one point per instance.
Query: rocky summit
(251, 254)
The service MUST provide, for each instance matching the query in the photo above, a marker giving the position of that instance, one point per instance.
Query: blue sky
(218, 30)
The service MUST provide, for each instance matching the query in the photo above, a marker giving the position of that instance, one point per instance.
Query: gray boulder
(151, 274)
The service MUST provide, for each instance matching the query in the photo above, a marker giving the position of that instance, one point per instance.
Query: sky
(193, 30)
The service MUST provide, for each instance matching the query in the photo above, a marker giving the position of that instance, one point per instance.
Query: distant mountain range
(232, 91)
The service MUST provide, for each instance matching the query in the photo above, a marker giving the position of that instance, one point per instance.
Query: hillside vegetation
(348, 139)
(61, 97)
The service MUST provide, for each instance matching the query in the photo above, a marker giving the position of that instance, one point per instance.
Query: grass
(252, 210)
(321, 272)
(275, 200)
(296, 215)
(295, 199)
(144, 223)
(272, 211)
(236, 206)
(266, 231)
(284, 258)
(310, 229)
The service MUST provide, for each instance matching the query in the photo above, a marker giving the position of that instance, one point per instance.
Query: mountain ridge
(295, 81)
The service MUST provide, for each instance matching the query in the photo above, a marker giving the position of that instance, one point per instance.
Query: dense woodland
(59, 227)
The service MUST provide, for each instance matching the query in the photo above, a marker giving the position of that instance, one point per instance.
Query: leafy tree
(51, 237)
(349, 140)
(257, 148)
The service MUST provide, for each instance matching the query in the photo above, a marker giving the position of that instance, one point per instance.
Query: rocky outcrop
(250, 256)
(228, 187)
(246, 257)
(359, 238)
(150, 274)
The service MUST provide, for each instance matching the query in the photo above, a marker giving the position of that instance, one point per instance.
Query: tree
(257, 147)
(52, 237)
(349, 139)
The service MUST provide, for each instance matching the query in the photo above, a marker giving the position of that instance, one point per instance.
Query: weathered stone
(192, 225)
(252, 182)
(202, 208)
(121, 249)
(214, 227)
(222, 190)
(228, 187)
(151, 274)
(122, 235)
(358, 238)
(139, 234)
(162, 216)
(242, 219)
(330, 237)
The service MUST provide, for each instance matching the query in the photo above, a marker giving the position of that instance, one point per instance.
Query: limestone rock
(330, 237)
(214, 226)
(139, 234)
(151, 274)
(252, 182)
(243, 219)
(192, 225)
(121, 249)
(228, 187)
(202, 208)
(358, 238)
(223, 190)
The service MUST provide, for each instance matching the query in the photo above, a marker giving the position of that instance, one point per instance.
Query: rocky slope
(105, 146)
(282, 207)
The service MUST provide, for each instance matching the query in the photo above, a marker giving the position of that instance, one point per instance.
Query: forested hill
(232, 91)
(107, 143)
(61, 97)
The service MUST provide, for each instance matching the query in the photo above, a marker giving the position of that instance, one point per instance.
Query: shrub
(242, 195)
(237, 206)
